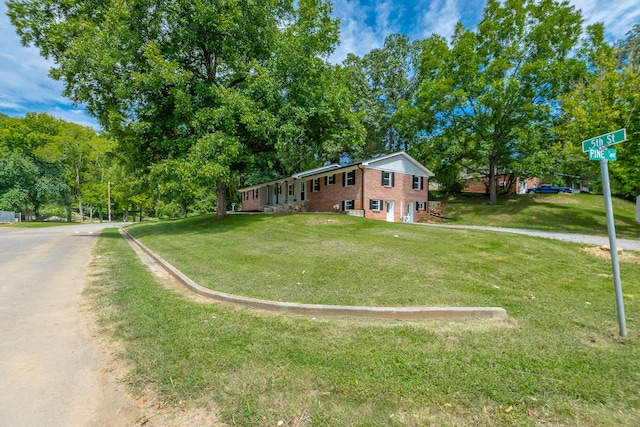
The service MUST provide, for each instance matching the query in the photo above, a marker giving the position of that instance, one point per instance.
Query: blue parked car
(549, 189)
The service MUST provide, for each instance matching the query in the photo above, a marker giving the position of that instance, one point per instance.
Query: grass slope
(557, 361)
(570, 213)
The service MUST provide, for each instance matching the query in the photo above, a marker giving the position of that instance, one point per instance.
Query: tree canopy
(382, 81)
(47, 160)
(217, 83)
(484, 99)
(605, 99)
(223, 93)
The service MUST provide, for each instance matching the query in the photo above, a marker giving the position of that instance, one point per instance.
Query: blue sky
(364, 24)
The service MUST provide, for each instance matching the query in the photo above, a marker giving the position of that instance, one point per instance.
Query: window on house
(330, 180)
(388, 179)
(279, 189)
(290, 190)
(375, 205)
(256, 193)
(316, 185)
(303, 185)
(347, 205)
(246, 195)
(420, 206)
(349, 178)
(418, 182)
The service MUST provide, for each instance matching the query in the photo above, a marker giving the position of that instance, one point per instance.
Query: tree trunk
(184, 209)
(493, 196)
(221, 195)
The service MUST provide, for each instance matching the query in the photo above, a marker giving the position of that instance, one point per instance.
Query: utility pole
(109, 199)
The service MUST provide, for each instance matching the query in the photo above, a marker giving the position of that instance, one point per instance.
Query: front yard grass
(569, 213)
(557, 360)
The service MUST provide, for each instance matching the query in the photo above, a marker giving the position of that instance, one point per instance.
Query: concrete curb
(404, 313)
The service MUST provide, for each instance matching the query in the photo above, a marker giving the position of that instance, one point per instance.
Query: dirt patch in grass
(324, 221)
(604, 252)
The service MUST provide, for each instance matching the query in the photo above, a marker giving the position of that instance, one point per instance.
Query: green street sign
(604, 140)
(598, 154)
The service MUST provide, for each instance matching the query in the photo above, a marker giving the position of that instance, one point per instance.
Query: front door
(390, 210)
(410, 212)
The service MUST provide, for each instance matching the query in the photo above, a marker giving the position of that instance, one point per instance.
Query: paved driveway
(49, 374)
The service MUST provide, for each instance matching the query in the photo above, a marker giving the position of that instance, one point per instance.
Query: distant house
(509, 183)
(506, 183)
(394, 188)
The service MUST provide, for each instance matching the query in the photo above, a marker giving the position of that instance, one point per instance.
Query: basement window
(375, 205)
(347, 205)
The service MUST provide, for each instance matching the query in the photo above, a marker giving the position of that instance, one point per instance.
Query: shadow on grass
(200, 224)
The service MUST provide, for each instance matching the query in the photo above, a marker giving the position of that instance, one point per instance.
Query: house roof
(315, 171)
(385, 162)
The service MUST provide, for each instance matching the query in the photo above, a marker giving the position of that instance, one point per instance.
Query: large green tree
(486, 98)
(218, 81)
(66, 158)
(26, 183)
(607, 98)
(381, 81)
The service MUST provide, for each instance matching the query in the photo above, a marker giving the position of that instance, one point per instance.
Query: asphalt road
(49, 372)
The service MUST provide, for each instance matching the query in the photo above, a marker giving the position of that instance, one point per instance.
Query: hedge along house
(394, 187)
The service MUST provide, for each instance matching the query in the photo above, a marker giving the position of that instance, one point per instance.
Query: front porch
(286, 207)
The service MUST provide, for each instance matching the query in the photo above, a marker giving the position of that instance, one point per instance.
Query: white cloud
(355, 35)
(365, 24)
(619, 16)
(437, 17)
(25, 85)
(385, 23)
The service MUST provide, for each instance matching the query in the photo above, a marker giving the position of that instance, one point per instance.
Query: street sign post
(605, 140)
(598, 151)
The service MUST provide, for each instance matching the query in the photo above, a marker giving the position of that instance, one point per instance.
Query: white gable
(399, 162)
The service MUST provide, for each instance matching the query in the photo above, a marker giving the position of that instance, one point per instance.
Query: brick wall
(250, 204)
(402, 193)
(330, 195)
(334, 194)
(481, 185)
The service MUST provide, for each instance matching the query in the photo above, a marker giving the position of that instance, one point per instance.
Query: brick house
(507, 183)
(394, 188)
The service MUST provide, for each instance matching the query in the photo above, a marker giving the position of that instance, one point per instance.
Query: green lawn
(37, 224)
(557, 360)
(338, 259)
(570, 213)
